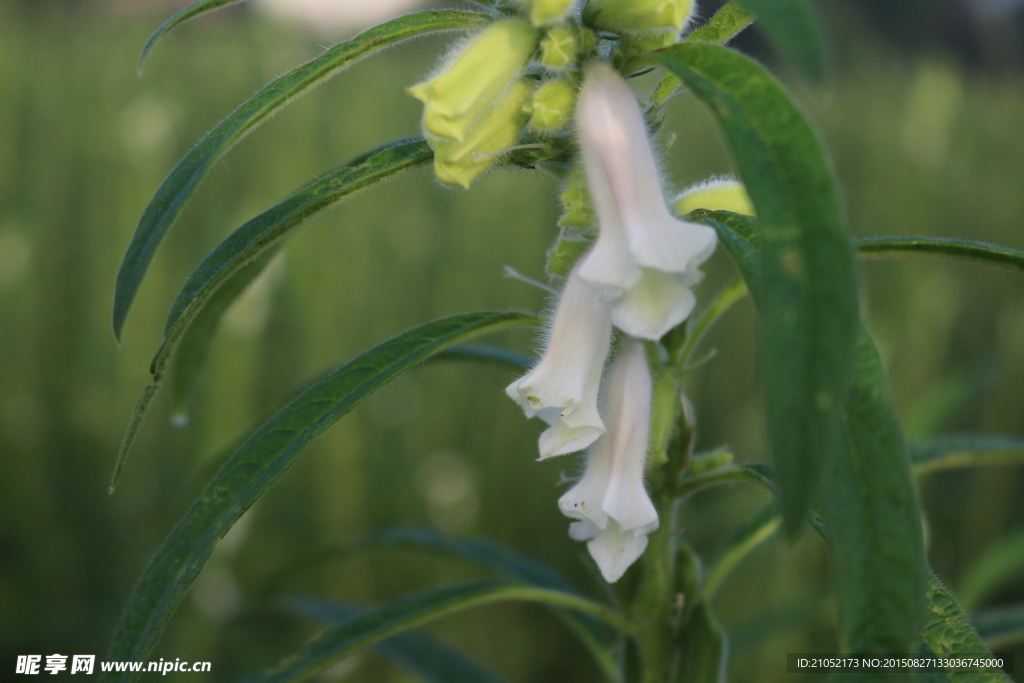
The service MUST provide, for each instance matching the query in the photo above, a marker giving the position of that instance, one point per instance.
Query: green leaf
(947, 632)
(262, 459)
(752, 474)
(169, 199)
(728, 22)
(418, 609)
(809, 306)
(591, 632)
(883, 247)
(702, 656)
(965, 450)
(240, 258)
(190, 12)
(875, 528)
(194, 347)
(999, 565)
(1000, 627)
(753, 533)
(699, 324)
(490, 354)
(266, 231)
(426, 658)
(795, 29)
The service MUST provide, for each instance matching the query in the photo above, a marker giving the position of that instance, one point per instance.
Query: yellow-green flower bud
(552, 105)
(717, 194)
(548, 11)
(459, 163)
(462, 92)
(639, 15)
(559, 48)
(577, 206)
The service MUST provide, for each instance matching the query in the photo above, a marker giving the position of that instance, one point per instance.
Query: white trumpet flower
(645, 260)
(562, 389)
(612, 507)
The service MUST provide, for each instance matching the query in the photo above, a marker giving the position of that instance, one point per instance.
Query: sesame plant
(578, 90)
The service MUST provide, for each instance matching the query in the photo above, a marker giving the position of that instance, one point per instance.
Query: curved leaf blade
(877, 543)
(948, 633)
(1000, 564)
(262, 459)
(265, 232)
(795, 29)
(190, 12)
(882, 247)
(753, 533)
(418, 609)
(809, 304)
(965, 450)
(488, 354)
(179, 185)
(429, 660)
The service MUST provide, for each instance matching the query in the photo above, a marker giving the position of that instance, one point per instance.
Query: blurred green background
(923, 121)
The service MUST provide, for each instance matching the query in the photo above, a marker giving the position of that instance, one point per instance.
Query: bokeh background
(924, 121)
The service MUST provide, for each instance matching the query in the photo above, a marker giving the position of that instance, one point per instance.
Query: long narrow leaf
(949, 634)
(262, 459)
(874, 523)
(999, 565)
(190, 12)
(593, 634)
(795, 29)
(753, 533)
(231, 267)
(169, 199)
(264, 232)
(415, 610)
(882, 247)
(429, 660)
(809, 312)
(965, 450)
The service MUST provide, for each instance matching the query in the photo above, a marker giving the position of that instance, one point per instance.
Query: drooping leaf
(795, 29)
(415, 610)
(1000, 564)
(190, 12)
(965, 450)
(949, 634)
(726, 24)
(265, 232)
(809, 308)
(592, 633)
(752, 474)
(231, 267)
(429, 660)
(194, 346)
(883, 247)
(262, 459)
(1001, 626)
(172, 195)
(875, 531)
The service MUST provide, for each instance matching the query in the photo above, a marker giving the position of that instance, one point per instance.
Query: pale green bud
(461, 93)
(551, 105)
(459, 163)
(548, 11)
(717, 194)
(577, 206)
(559, 48)
(639, 15)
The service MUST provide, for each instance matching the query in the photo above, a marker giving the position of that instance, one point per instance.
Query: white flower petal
(585, 500)
(563, 388)
(656, 304)
(615, 551)
(584, 530)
